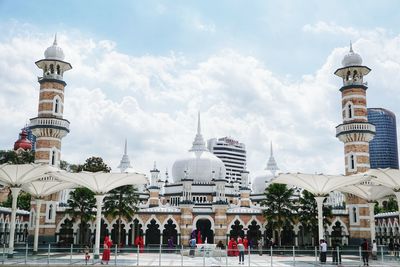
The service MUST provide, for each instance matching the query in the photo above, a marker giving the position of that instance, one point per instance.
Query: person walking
(241, 248)
(106, 250)
(374, 250)
(192, 245)
(323, 250)
(336, 253)
(365, 251)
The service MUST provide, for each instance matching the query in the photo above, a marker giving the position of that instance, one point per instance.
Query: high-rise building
(233, 155)
(383, 148)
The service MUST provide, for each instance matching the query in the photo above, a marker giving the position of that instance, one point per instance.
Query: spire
(55, 39)
(271, 164)
(155, 165)
(198, 144)
(351, 47)
(125, 163)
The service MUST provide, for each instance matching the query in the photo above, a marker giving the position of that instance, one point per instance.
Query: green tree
(12, 157)
(94, 164)
(388, 206)
(121, 202)
(23, 202)
(308, 213)
(279, 207)
(81, 205)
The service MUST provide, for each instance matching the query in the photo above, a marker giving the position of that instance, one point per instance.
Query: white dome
(54, 51)
(201, 166)
(352, 59)
(259, 183)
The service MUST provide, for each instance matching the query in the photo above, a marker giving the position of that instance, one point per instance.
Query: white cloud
(153, 101)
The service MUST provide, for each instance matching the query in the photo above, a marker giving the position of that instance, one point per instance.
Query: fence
(203, 255)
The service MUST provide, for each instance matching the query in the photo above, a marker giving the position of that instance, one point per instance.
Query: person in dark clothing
(336, 253)
(365, 252)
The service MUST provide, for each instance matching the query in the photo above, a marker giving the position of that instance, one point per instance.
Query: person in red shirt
(106, 250)
(246, 244)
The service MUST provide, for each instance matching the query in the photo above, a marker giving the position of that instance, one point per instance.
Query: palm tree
(121, 202)
(81, 205)
(308, 213)
(279, 207)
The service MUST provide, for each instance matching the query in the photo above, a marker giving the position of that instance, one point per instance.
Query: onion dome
(54, 52)
(352, 58)
(23, 142)
(199, 165)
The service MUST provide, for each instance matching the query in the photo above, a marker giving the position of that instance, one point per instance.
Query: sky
(258, 71)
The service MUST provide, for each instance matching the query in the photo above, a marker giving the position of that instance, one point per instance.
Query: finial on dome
(351, 47)
(155, 165)
(55, 39)
(271, 151)
(198, 123)
(198, 144)
(126, 147)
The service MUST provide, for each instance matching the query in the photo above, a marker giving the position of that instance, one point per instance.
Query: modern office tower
(233, 155)
(383, 148)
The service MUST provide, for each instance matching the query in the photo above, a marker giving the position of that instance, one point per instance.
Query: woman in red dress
(106, 251)
(232, 247)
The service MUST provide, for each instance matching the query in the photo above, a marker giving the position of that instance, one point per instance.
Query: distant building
(233, 155)
(383, 148)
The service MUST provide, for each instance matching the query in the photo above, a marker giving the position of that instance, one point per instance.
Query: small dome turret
(352, 58)
(54, 52)
(23, 142)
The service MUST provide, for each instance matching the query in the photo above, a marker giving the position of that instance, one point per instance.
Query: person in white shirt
(323, 250)
(374, 250)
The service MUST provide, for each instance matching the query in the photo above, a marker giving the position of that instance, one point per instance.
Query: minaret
(356, 133)
(49, 127)
(220, 207)
(154, 188)
(125, 163)
(245, 190)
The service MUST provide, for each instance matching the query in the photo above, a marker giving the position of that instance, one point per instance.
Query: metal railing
(199, 256)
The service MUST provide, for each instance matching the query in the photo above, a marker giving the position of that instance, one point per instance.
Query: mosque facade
(197, 199)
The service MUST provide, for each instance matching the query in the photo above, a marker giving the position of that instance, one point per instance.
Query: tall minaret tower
(356, 133)
(49, 127)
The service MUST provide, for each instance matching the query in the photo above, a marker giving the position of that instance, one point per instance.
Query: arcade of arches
(155, 231)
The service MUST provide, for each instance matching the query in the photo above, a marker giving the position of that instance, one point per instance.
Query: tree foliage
(308, 213)
(279, 207)
(388, 206)
(12, 157)
(23, 202)
(121, 202)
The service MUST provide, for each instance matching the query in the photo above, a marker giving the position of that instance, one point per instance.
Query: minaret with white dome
(49, 126)
(356, 133)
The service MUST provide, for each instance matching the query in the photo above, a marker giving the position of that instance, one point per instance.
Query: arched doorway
(104, 232)
(153, 233)
(336, 234)
(287, 235)
(66, 235)
(135, 229)
(170, 232)
(122, 234)
(236, 230)
(254, 233)
(204, 226)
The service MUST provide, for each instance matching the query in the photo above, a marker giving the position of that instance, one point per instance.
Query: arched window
(349, 111)
(45, 69)
(348, 75)
(58, 69)
(56, 106)
(352, 162)
(52, 68)
(53, 157)
(50, 215)
(354, 214)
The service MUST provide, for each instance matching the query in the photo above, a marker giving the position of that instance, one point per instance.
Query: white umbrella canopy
(15, 175)
(387, 177)
(42, 188)
(368, 192)
(319, 184)
(101, 182)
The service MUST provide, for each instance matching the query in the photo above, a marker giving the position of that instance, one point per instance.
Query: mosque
(198, 198)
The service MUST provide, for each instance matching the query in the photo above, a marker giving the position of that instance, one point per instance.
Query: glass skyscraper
(383, 148)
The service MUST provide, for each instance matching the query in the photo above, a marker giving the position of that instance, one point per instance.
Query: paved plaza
(179, 259)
